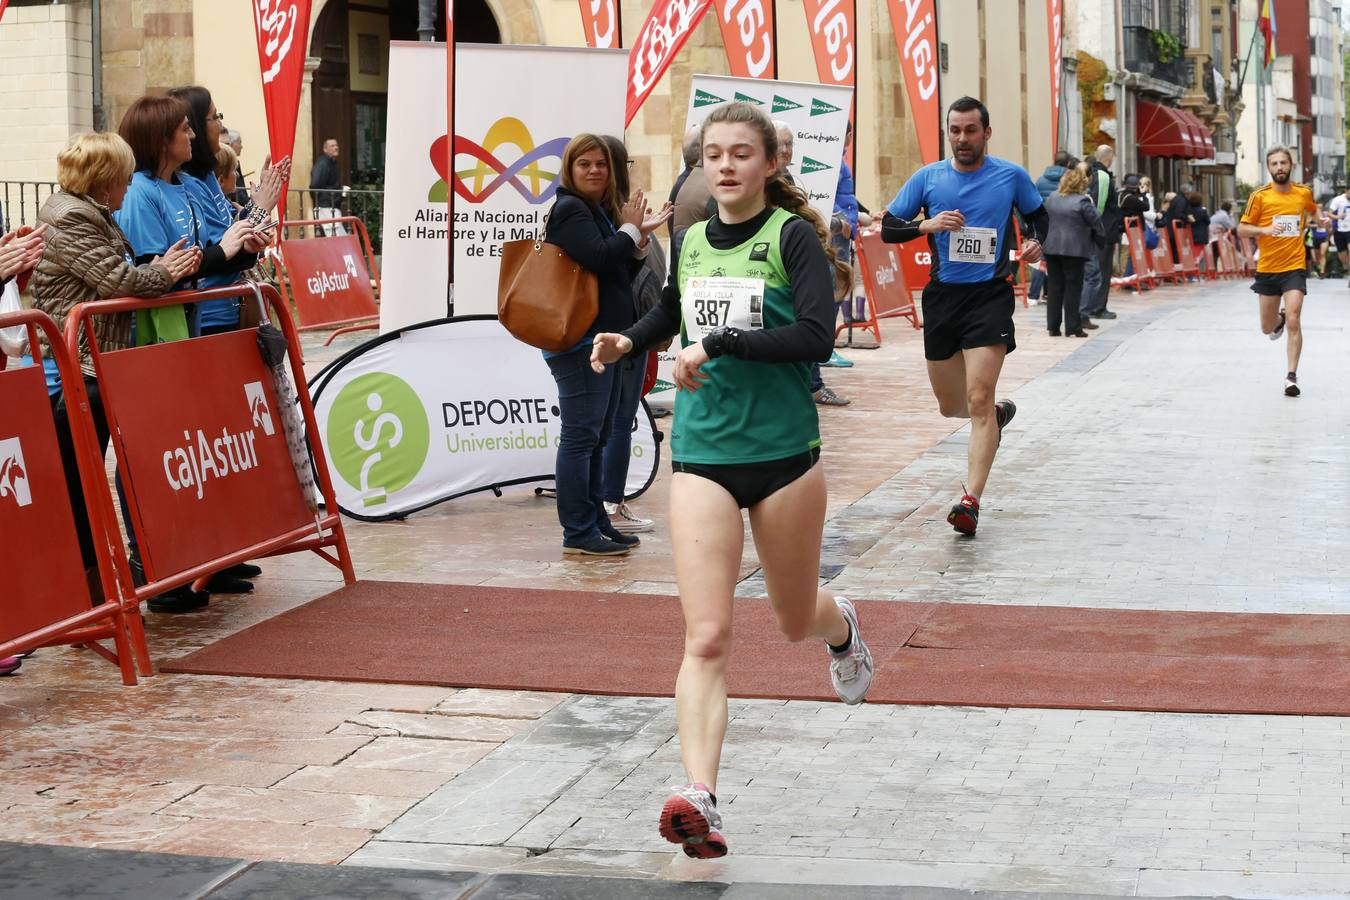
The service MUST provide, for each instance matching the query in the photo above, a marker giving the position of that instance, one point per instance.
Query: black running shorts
(749, 483)
(960, 317)
(1342, 239)
(1274, 284)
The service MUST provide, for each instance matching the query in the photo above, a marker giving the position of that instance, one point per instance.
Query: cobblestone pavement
(1158, 466)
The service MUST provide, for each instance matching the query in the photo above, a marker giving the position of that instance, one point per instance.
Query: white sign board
(444, 409)
(516, 109)
(816, 113)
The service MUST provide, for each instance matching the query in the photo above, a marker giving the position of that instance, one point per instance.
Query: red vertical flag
(915, 26)
(834, 41)
(283, 31)
(3, 4)
(748, 35)
(601, 21)
(663, 33)
(1055, 10)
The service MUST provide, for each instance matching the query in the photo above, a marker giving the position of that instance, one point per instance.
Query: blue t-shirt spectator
(217, 216)
(155, 215)
(985, 197)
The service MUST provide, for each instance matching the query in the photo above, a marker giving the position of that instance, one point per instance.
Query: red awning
(1204, 141)
(1162, 131)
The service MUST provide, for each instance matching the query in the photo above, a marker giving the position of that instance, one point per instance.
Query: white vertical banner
(515, 111)
(816, 113)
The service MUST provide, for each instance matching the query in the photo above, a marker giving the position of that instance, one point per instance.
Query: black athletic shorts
(749, 483)
(960, 317)
(1342, 239)
(1274, 284)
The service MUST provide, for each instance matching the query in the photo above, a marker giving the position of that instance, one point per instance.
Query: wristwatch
(721, 341)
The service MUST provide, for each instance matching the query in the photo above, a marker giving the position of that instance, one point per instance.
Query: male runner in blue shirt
(967, 202)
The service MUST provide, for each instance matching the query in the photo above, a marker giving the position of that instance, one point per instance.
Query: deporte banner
(282, 28)
(817, 113)
(515, 111)
(915, 26)
(443, 409)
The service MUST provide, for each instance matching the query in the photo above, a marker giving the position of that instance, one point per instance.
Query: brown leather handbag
(544, 298)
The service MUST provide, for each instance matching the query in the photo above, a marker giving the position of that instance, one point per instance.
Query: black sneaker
(1004, 410)
(1105, 314)
(618, 537)
(225, 583)
(242, 570)
(1279, 328)
(1291, 385)
(965, 514)
(1089, 325)
(179, 600)
(600, 546)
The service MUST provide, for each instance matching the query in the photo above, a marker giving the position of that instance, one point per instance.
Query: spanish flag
(1266, 25)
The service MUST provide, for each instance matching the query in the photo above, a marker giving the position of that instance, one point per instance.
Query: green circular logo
(378, 435)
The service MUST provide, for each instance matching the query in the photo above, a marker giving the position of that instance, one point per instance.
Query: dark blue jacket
(1048, 183)
(585, 233)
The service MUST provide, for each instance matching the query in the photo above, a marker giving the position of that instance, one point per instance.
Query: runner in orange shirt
(1276, 215)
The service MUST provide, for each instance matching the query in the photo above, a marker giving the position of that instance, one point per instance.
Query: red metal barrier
(1181, 234)
(331, 280)
(1163, 266)
(884, 283)
(202, 447)
(46, 599)
(1143, 277)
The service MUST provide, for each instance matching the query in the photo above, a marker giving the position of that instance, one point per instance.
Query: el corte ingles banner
(515, 111)
(443, 409)
(816, 113)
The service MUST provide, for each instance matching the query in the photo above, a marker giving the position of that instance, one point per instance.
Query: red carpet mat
(926, 653)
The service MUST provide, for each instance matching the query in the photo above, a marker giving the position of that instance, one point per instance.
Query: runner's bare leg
(983, 365)
(708, 537)
(1293, 325)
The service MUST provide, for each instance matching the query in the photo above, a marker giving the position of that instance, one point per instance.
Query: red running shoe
(10, 664)
(690, 818)
(965, 515)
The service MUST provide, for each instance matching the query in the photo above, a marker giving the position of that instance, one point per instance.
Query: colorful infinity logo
(475, 184)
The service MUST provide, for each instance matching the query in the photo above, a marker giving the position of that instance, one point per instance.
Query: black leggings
(750, 483)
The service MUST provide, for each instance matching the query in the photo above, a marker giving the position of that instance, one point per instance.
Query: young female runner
(752, 297)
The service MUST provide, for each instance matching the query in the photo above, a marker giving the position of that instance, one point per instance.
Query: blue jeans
(816, 381)
(1037, 283)
(588, 402)
(1092, 286)
(619, 448)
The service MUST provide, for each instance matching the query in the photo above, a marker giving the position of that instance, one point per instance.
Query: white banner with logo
(816, 113)
(515, 110)
(444, 409)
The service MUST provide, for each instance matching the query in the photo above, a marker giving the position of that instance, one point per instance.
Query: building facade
(1120, 57)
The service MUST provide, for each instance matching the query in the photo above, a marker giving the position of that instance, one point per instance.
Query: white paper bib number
(1287, 226)
(713, 302)
(974, 245)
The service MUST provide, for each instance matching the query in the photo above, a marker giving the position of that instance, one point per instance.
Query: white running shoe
(690, 818)
(851, 671)
(1279, 328)
(622, 518)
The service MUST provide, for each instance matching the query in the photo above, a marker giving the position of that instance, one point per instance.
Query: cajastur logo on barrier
(258, 409)
(378, 435)
(202, 457)
(13, 475)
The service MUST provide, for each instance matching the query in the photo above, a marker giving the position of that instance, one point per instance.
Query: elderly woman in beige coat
(87, 257)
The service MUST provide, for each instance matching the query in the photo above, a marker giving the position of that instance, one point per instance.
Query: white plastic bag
(13, 340)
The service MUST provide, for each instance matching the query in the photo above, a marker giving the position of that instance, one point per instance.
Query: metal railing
(21, 200)
(1142, 57)
(368, 206)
